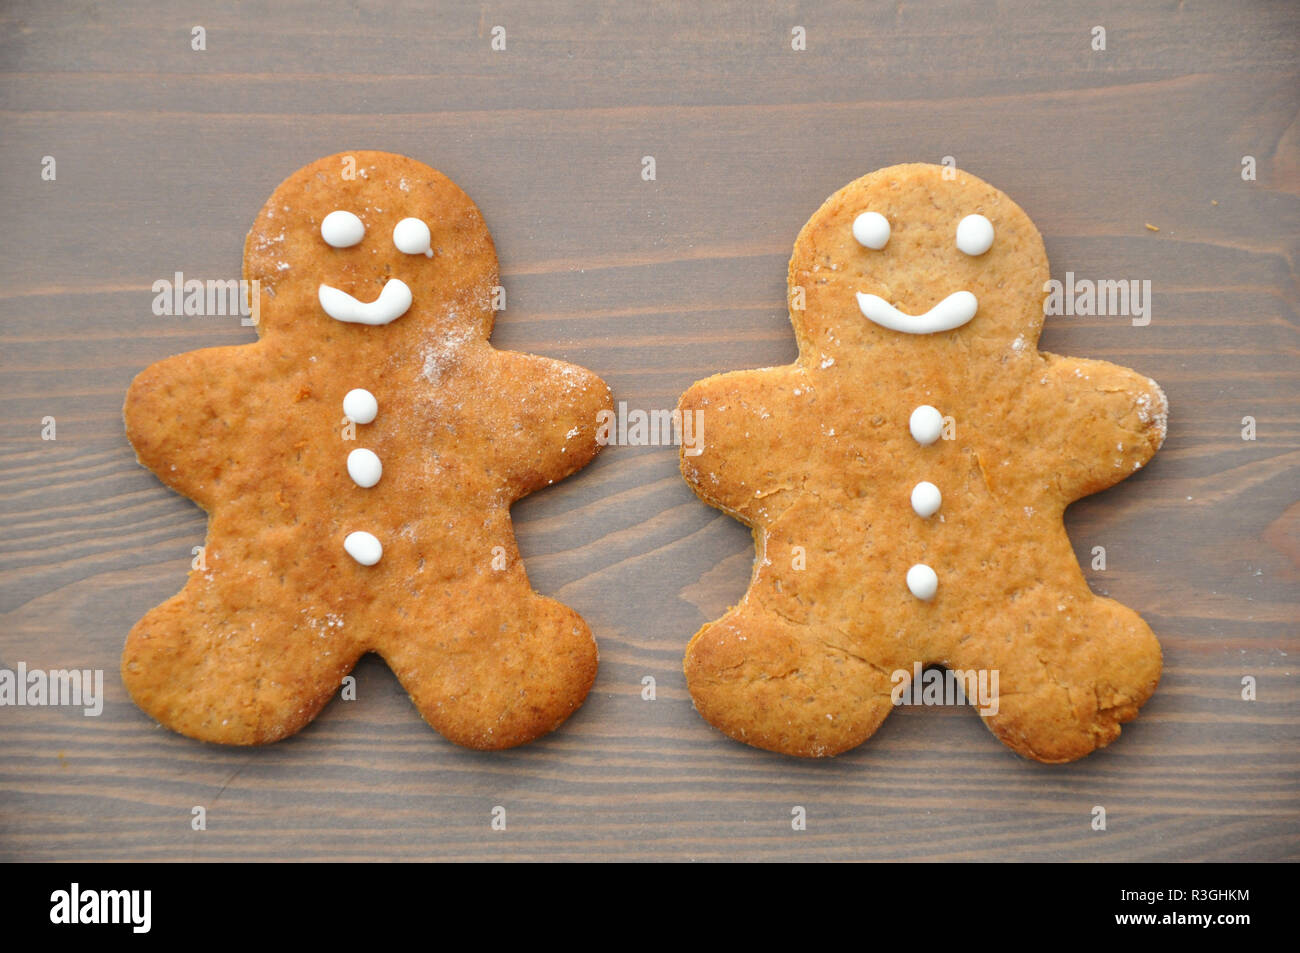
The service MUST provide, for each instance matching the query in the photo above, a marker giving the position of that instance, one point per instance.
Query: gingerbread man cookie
(358, 463)
(906, 480)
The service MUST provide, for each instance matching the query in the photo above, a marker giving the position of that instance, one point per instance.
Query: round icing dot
(922, 581)
(411, 236)
(364, 548)
(871, 229)
(360, 406)
(926, 499)
(342, 229)
(926, 425)
(974, 234)
(364, 467)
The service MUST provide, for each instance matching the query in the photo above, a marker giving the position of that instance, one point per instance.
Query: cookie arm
(550, 420)
(1110, 421)
(181, 413)
(746, 438)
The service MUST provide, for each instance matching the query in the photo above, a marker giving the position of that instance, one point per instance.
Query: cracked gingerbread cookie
(357, 464)
(906, 480)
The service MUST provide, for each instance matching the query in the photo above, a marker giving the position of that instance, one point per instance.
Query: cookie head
(916, 252)
(341, 250)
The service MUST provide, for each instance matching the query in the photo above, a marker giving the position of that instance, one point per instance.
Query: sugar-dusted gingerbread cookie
(358, 463)
(905, 480)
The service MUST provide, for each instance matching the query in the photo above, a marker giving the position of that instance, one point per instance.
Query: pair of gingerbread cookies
(905, 479)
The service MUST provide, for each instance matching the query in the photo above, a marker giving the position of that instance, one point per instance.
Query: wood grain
(165, 154)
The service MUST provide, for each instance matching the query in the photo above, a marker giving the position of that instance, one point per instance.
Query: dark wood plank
(165, 154)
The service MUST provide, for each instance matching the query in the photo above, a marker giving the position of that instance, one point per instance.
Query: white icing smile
(950, 313)
(391, 304)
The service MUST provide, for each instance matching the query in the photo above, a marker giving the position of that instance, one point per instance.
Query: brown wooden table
(164, 154)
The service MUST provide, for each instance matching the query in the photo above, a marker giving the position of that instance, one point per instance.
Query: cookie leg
(497, 671)
(240, 677)
(1070, 673)
(774, 684)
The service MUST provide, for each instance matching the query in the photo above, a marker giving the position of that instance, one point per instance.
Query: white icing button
(391, 304)
(926, 425)
(364, 548)
(922, 581)
(974, 235)
(360, 406)
(926, 499)
(342, 229)
(364, 467)
(412, 237)
(871, 229)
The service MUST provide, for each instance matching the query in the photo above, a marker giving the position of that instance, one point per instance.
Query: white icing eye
(412, 237)
(871, 229)
(342, 229)
(974, 235)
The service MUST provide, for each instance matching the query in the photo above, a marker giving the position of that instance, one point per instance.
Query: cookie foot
(1066, 692)
(497, 673)
(228, 677)
(796, 689)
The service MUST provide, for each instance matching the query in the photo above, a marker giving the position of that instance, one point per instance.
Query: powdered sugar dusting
(440, 353)
(323, 626)
(1153, 408)
(574, 378)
